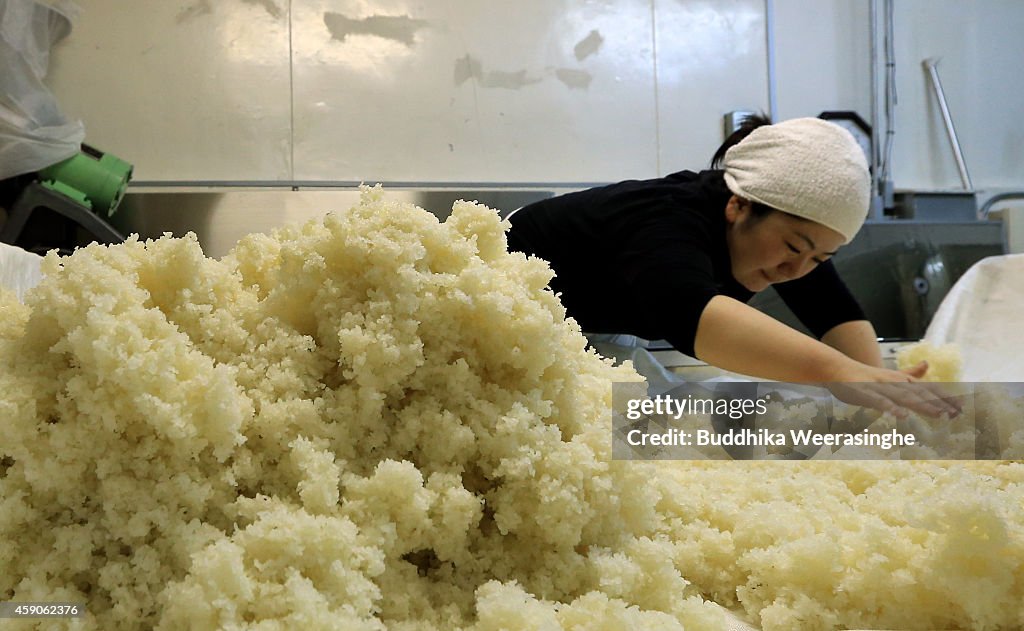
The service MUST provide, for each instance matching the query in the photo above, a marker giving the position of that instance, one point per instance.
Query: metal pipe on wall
(877, 204)
(931, 67)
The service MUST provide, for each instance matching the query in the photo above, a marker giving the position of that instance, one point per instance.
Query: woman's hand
(894, 391)
(735, 336)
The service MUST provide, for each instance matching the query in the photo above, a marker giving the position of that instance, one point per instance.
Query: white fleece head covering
(805, 167)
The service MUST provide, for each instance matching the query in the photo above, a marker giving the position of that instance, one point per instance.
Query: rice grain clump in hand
(380, 421)
(944, 360)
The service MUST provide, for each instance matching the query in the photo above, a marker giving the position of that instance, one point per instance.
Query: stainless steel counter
(220, 217)
(698, 370)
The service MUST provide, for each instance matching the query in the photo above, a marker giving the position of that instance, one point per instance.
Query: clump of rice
(944, 360)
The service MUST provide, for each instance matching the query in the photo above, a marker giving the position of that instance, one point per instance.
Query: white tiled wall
(822, 57)
(411, 91)
(489, 91)
(194, 90)
(980, 46)
(472, 91)
(822, 62)
(711, 59)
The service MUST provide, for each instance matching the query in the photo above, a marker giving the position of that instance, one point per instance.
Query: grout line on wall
(657, 105)
(769, 30)
(291, 96)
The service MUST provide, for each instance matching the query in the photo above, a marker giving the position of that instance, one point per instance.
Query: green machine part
(99, 178)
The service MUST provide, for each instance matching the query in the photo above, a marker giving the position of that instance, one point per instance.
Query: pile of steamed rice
(380, 421)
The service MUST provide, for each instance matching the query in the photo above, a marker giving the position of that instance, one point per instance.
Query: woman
(677, 258)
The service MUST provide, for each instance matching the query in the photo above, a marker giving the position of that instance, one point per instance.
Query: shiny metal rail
(995, 199)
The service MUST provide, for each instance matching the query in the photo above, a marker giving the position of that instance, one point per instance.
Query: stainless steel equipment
(901, 270)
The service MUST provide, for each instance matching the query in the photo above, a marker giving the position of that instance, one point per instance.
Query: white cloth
(981, 314)
(805, 167)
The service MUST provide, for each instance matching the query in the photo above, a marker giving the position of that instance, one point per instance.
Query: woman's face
(776, 247)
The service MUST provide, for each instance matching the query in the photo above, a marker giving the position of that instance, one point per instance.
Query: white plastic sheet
(984, 315)
(19, 270)
(33, 132)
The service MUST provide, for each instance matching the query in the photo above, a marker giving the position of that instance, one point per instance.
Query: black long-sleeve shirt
(645, 257)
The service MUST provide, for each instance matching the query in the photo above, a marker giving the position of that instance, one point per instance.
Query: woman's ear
(736, 208)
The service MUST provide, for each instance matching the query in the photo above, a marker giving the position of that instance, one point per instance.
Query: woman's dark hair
(747, 125)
